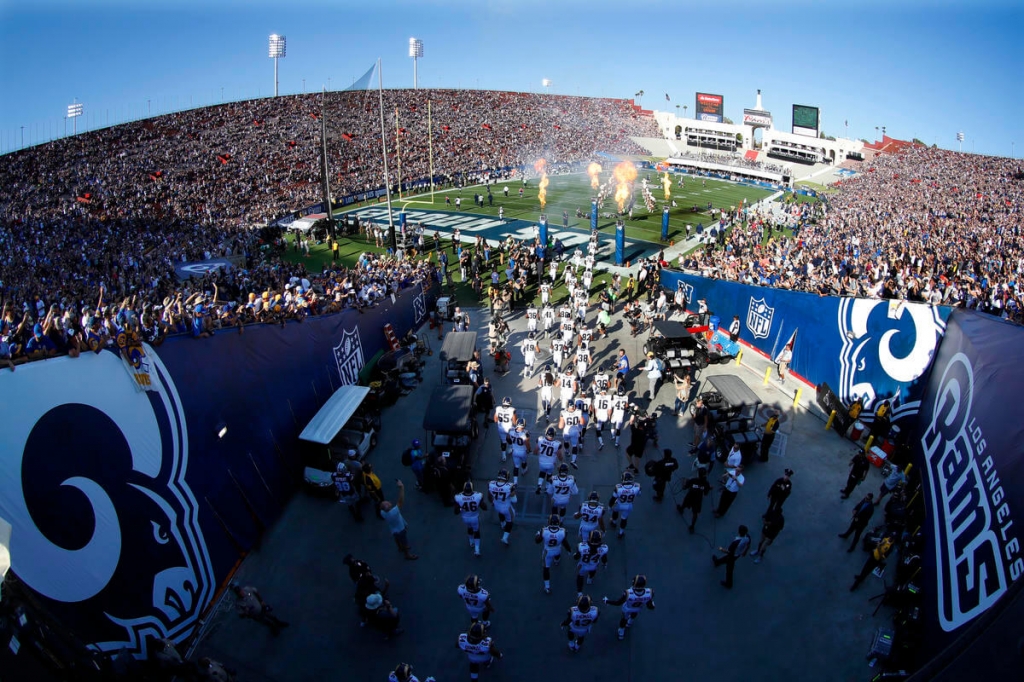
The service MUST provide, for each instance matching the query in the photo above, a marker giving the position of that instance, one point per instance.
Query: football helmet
(532, 335)
(468, 488)
(594, 497)
(551, 433)
(503, 475)
(506, 401)
(571, 406)
(595, 537)
(639, 581)
(627, 477)
(563, 470)
(520, 424)
(403, 672)
(554, 521)
(583, 603)
(415, 442)
(473, 583)
(622, 390)
(476, 633)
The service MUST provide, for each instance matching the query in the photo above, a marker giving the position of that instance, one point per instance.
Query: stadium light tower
(960, 140)
(546, 84)
(74, 111)
(278, 48)
(415, 51)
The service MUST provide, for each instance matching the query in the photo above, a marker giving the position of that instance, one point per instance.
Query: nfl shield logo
(349, 356)
(759, 318)
(687, 291)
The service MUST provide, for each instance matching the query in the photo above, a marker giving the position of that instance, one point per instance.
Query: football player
(567, 383)
(603, 378)
(591, 515)
(588, 556)
(531, 318)
(581, 617)
(477, 599)
(557, 351)
(568, 331)
(585, 335)
(519, 441)
(504, 417)
(622, 416)
(502, 495)
(529, 347)
(622, 501)
(546, 383)
(468, 504)
(547, 316)
(583, 357)
(552, 537)
(571, 422)
(479, 649)
(549, 450)
(565, 312)
(633, 601)
(345, 487)
(602, 412)
(561, 488)
(403, 673)
(545, 292)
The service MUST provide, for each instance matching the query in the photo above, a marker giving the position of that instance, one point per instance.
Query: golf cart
(451, 425)
(341, 425)
(674, 345)
(456, 351)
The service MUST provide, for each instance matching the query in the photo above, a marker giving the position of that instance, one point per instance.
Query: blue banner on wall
(861, 347)
(129, 507)
(968, 448)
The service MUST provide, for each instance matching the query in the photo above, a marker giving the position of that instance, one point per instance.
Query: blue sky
(922, 68)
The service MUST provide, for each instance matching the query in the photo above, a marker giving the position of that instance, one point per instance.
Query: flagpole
(392, 242)
(430, 148)
(398, 153)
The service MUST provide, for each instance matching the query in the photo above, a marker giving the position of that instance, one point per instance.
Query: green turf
(569, 192)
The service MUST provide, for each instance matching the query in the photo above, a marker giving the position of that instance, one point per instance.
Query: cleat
(547, 590)
(537, 491)
(622, 634)
(622, 533)
(476, 553)
(503, 457)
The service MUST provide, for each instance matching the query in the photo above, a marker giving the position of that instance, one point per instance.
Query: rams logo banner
(759, 318)
(349, 356)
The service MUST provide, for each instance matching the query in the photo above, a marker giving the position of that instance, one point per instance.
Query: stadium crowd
(923, 225)
(734, 160)
(115, 210)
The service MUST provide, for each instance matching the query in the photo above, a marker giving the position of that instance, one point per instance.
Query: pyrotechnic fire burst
(625, 174)
(539, 165)
(593, 170)
(667, 183)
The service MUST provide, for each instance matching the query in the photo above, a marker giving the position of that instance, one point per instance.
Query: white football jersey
(518, 440)
(469, 505)
(580, 621)
(557, 345)
(529, 346)
(602, 407)
(626, 494)
(505, 416)
(568, 383)
(552, 539)
(474, 600)
(590, 557)
(583, 356)
(620, 404)
(561, 490)
(572, 421)
(586, 334)
(548, 315)
(637, 600)
(531, 313)
(477, 653)
(547, 452)
(590, 517)
(602, 381)
(565, 313)
(502, 493)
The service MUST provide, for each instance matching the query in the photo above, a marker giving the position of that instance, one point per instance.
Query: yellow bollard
(909, 467)
(739, 357)
(831, 418)
(767, 375)
(867, 445)
(796, 398)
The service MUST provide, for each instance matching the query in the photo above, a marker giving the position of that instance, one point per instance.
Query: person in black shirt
(736, 549)
(696, 490)
(774, 522)
(701, 417)
(485, 401)
(861, 517)
(779, 492)
(661, 471)
(859, 467)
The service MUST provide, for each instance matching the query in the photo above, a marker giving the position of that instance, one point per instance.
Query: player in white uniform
(545, 292)
(468, 505)
(553, 270)
(621, 504)
(620, 413)
(581, 617)
(584, 404)
(567, 385)
(502, 495)
(557, 351)
(477, 599)
(588, 278)
(591, 515)
(504, 417)
(529, 347)
(519, 441)
(633, 601)
(479, 649)
(345, 488)
(602, 412)
(561, 488)
(546, 383)
(583, 360)
(547, 316)
(603, 378)
(565, 313)
(589, 555)
(582, 301)
(571, 422)
(531, 318)
(552, 538)
(549, 451)
(403, 673)
(586, 335)
(568, 329)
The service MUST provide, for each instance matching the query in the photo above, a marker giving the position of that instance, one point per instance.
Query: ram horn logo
(349, 356)
(759, 318)
(105, 526)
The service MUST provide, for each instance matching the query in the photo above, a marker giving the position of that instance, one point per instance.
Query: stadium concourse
(790, 616)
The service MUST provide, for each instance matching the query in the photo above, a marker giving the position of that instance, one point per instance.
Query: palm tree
(640, 97)
(684, 111)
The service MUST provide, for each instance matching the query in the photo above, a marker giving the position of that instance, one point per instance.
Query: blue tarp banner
(129, 507)
(860, 347)
(968, 448)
